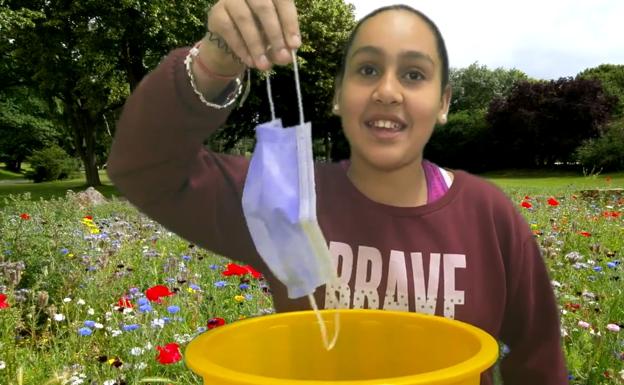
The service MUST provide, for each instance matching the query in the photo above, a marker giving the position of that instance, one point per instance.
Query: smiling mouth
(385, 125)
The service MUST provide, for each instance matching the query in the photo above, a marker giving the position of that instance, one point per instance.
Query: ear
(336, 101)
(445, 104)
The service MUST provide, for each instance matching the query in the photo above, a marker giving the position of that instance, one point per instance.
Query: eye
(414, 76)
(367, 70)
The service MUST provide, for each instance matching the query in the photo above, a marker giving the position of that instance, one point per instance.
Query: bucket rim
(485, 357)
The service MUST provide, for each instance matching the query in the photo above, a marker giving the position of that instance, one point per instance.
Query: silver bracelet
(188, 61)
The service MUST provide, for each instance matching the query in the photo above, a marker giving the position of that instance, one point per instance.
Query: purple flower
(173, 309)
(89, 324)
(85, 332)
(131, 327)
(220, 284)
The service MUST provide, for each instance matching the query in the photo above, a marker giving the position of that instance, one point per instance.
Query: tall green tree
(612, 78)
(24, 125)
(90, 54)
(325, 26)
(475, 86)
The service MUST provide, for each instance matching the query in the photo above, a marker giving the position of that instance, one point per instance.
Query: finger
(244, 20)
(266, 14)
(287, 13)
(220, 23)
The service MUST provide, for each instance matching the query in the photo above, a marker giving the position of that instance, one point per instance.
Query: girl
(404, 234)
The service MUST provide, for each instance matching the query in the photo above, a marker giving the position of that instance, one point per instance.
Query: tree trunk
(84, 140)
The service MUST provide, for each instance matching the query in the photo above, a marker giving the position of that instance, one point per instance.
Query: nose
(388, 90)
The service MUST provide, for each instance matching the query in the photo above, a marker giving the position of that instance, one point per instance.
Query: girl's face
(390, 97)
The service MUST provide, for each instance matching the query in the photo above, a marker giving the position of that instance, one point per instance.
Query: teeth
(385, 124)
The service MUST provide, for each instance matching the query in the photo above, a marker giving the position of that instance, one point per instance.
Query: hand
(260, 32)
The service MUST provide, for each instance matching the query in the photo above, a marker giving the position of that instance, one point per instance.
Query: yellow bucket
(374, 347)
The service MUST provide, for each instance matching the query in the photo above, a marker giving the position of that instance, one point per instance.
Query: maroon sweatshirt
(470, 255)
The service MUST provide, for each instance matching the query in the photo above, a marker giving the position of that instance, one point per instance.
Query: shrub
(50, 163)
(606, 152)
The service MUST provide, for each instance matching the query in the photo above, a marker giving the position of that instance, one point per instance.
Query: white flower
(158, 323)
(2, 365)
(90, 311)
(59, 317)
(564, 333)
(81, 301)
(115, 333)
(127, 310)
(136, 351)
(556, 284)
(67, 300)
(98, 325)
(149, 346)
(622, 374)
(110, 382)
(140, 366)
(108, 315)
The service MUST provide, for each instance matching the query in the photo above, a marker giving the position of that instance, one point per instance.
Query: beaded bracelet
(188, 61)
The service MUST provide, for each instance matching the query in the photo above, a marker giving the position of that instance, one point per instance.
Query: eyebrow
(404, 54)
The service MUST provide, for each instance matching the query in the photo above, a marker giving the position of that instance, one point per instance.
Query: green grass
(14, 184)
(555, 183)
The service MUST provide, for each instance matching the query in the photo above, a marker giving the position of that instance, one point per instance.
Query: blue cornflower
(173, 309)
(248, 297)
(134, 290)
(214, 267)
(186, 257)
(85, 331)
(89, 323)
(64, 251)
(220, 283)
(143, 301)
(201, 329)
(130, 327)
(170, 280)
(194, 287)
(145, 308)
(597, 268)
(166, 319)
(243, 286)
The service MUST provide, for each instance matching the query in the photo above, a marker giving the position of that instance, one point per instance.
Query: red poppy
(585, 233)
(25, 216)
(169, 354)
(154, 293)
(3, 303)
(124, 302)
(234, 269)
(553, 202)
(526, 205)
(527, 198)
(215, 322)
(611, 214)
(572, 306)
(89, 217)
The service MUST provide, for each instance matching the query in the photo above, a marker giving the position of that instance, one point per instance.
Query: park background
(78, 273)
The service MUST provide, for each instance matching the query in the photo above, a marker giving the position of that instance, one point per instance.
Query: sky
(546, 39)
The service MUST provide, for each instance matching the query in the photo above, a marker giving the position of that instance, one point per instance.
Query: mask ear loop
(328, 345)
(270, 93)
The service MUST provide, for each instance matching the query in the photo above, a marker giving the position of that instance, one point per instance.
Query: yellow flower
(241, 317)
(70, 255)
(239, 298)
(190, 290)
(534, 226)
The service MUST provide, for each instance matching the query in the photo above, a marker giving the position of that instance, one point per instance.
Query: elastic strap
(328, 345)
(297, 85)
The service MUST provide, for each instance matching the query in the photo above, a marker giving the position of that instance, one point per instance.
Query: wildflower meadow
(104, 295)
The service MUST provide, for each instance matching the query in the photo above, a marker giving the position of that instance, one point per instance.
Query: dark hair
(399, 7)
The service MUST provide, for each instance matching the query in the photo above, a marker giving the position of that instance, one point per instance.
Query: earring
(443, 119)
(336, 108)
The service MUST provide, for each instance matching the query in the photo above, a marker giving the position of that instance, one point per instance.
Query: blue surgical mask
(279, 204)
